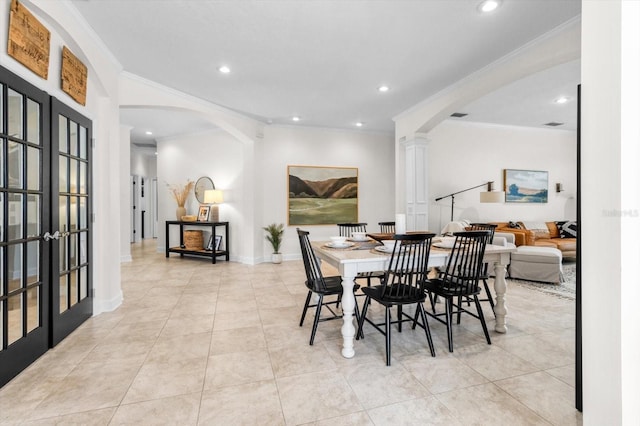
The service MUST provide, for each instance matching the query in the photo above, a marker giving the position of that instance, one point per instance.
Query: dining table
(363, 256)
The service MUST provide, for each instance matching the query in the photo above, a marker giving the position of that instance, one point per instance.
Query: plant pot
(180, 211)
(276, 257)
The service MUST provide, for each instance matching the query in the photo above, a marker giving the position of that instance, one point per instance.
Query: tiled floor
(195, 343)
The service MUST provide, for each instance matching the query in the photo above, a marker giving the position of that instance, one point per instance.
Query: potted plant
(275, 231)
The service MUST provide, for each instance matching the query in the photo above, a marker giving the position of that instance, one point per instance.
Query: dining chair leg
(399, 318)
(363, 314)
(356, 311)
(489, 296)
(484, 323)
(449, 315)
(427, 330)
(387, 337)
(316, 320)
(459, 313)
(306, 306)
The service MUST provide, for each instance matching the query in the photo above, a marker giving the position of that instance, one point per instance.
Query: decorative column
(416, 182)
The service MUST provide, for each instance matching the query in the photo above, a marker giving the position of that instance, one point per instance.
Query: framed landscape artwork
(322, 195)
(526, 186)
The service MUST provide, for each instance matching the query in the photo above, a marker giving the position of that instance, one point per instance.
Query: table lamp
(213, 197)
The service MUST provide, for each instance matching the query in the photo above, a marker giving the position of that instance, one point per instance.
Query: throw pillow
(567, 228)
(514, 225)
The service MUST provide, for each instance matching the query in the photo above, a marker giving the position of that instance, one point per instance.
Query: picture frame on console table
(526, 186)
(214, 244)
(203, 213)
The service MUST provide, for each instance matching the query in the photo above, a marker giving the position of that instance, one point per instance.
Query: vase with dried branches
(180, 194)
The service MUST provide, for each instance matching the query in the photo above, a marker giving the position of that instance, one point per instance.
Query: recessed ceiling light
(295, 118)
(383, 89)
(224, 69)
(553, 124)
(148, 132)
(488, 6)
(359, 124)
(562, 100)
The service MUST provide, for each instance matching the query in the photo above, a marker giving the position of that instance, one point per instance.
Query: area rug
(566, 289)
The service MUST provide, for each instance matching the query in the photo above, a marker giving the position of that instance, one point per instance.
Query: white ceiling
(324, 59)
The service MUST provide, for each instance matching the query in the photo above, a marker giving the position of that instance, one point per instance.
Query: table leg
(500, 288)
(348, 306)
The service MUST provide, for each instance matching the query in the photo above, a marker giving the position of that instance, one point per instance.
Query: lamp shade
(213, 196)
(492, 197)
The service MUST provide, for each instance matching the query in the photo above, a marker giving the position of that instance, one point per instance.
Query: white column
(125, 190)
(610, 207)
(416, 183)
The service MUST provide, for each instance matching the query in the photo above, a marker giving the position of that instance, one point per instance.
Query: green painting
(322, 195)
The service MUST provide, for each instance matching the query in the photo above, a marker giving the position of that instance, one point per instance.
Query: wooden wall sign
(74, 77)
(28, 40)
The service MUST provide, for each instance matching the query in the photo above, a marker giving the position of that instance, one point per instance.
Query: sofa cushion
(567, 228)
(553, 230)
(566, 244)
(540, 229)
(537, 255)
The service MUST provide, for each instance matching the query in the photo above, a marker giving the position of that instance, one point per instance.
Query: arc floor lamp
(488, 196)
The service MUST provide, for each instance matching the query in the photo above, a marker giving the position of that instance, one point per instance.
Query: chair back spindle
(491, 227)
(407, 269)
(464, 267)
(311, 263)
(346, 229)
(387, 227)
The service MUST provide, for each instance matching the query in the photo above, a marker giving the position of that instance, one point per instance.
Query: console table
(213, 254)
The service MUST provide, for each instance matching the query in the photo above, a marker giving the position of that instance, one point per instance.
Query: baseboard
(100, 305)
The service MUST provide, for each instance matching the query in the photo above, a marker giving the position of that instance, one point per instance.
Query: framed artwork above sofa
(526, 186)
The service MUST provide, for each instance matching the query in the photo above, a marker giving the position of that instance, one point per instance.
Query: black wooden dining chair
(345, 230)
(320, 285)
(387, 227)
(485, 269)
(403, 284)
(459, 279)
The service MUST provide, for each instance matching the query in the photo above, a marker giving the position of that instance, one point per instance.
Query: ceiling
(323, 60)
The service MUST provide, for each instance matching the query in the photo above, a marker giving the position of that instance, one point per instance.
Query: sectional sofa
(559, 234)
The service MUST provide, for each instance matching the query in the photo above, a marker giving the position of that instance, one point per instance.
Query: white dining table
(349, 262)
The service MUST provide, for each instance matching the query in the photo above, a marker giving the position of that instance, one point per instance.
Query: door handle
(48, 236)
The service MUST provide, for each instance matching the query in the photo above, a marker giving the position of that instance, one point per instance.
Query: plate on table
(359, 240)
(383, 249)
(340, 246)
(444, 244)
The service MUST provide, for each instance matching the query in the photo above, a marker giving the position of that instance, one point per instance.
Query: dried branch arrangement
(181, 192)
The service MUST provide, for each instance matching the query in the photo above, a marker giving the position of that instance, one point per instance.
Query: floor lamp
(489, 196)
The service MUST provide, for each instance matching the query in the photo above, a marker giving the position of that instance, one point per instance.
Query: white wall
(102, 108)
(372, 153)
(217, 155)
(463, 155)
(143, 162)
(610, 211)
(220, 156)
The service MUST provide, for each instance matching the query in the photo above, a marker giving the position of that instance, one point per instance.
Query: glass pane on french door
(72, 295)
(24, 287)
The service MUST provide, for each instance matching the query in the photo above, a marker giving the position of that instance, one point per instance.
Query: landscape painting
(322, 195)
(526, 186)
